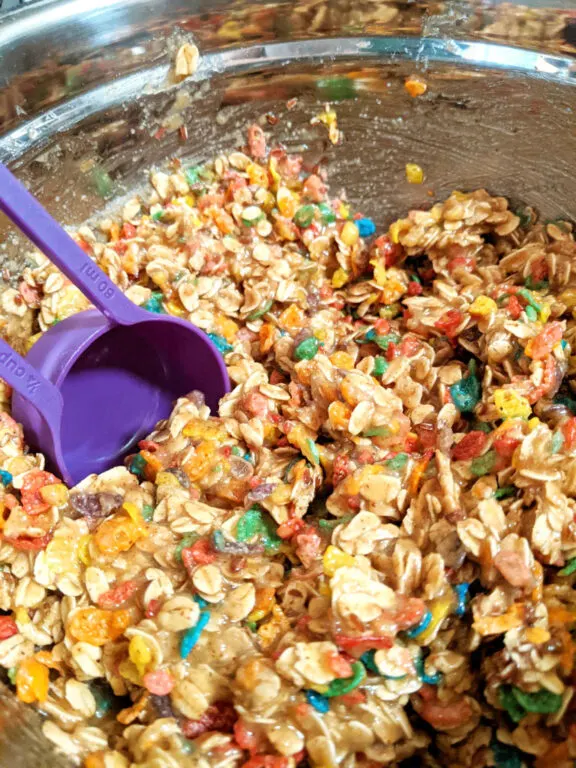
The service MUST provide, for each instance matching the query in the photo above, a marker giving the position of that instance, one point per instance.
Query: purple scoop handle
(29, 383)
(37, 224)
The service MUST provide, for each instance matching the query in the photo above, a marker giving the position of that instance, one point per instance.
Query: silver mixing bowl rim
(471, 54)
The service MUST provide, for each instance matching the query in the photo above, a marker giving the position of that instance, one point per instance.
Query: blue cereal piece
(192, 635)
(435, 679)
(137, 465)
(320, 703)
(5, 477)
(461, 591)
(201, 602)
(420, 627)
(220, 343)
(366, 227)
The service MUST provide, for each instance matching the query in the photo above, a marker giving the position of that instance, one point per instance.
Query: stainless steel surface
(87, 101)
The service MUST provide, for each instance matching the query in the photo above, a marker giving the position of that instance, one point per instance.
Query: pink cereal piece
(257, 142)
(513, 568)
(160, 682)
(314, 188)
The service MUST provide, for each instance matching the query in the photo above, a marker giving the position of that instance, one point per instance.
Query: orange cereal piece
(117, 534)
(267, 337)
(292, 318)
(415, 86)
(199, 464)
(32, 680)
(98, 626)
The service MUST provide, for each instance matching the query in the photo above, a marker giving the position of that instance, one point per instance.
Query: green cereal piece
(569, 568)
(260, 311)
(249, 524)
(557, 441)
(483, 465)
(313, 448)
(307, 349)
(531, 314)
(380, 366)
(505, 492)
(342, 686)
(184, 543)
(304, 216)
(147, 512)
(543, 702)
(327, 215)
(510, 703)
(529, 298)
(397, 462)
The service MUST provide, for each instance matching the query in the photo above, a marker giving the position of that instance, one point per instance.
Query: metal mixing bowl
(87, 104)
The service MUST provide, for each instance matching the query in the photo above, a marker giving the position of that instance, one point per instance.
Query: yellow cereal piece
(281, 494)
(190, 201)
(544, 313)
(533, 423)
(21, 616)
(395, 231)
(483, 305)
(167, 478)
(227, 328)
(440, 609)
(84, 549)
(537, 635)
(339, 414)
(342, 360)
(511, 405)
(55, 494)
(344, 210)
(334, 559)
(349, 234)
(257, 175)
(136, 516)
(414, 174)
(140, 653)
(175, 308)
(380, 273)
(287, 202)
(340, 278)
(272, 629)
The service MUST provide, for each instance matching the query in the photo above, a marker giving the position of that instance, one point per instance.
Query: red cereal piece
(159, 682)
(220, 716)
(340, 666)
(409, 346)
(514, 307)
(505, 445)
(8, 627)
(290, 528)
(29, 544)
(32, 502)
(449, 322)
(200, 553)
(470, 446)
(118, 595)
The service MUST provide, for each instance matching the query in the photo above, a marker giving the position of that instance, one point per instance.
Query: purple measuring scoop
(97, 382)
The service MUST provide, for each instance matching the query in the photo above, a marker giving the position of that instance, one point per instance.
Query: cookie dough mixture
(368, 554)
